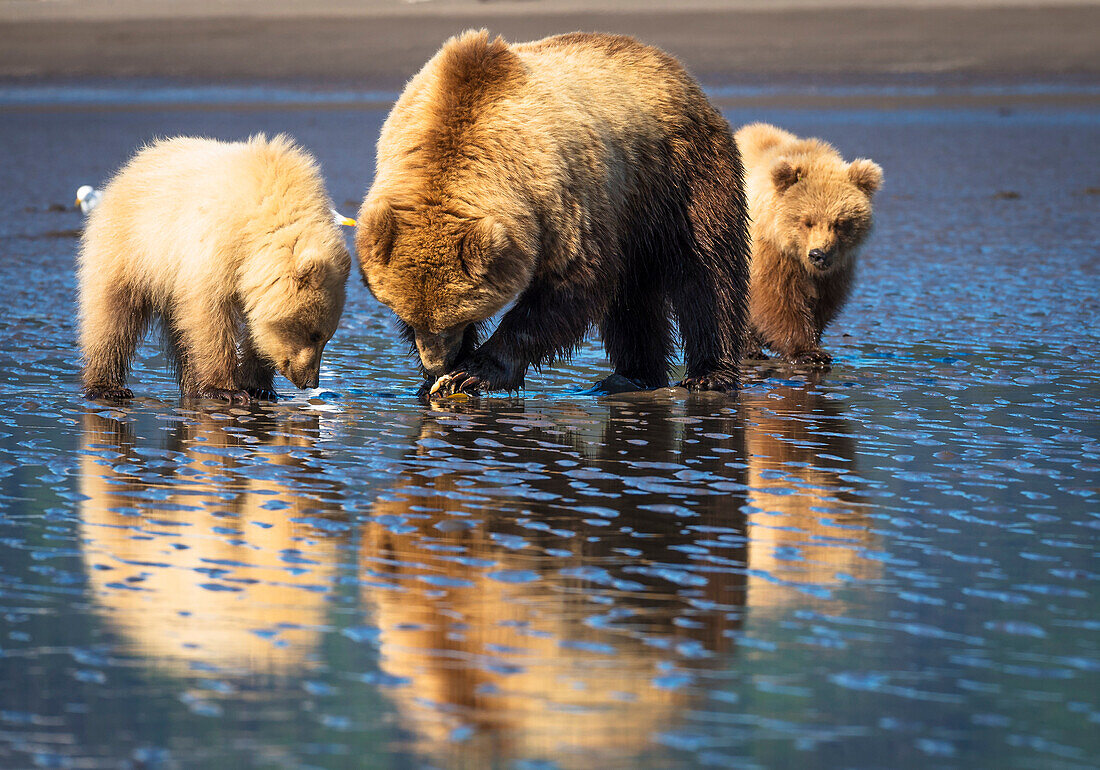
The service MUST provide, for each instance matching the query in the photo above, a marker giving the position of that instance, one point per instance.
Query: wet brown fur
(802, 197)
(233, 246)
(584, 179)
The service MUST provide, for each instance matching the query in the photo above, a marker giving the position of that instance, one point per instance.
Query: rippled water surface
(895, 566)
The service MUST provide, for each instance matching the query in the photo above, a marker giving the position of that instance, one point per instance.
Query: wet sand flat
(384, 42)
(894, 566)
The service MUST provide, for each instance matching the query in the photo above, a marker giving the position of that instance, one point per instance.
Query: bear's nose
(819, 257)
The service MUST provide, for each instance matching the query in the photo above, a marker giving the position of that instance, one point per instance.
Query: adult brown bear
(581, 179)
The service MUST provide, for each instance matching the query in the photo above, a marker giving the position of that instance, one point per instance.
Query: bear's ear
(484, 241)
(310, 272)
(375, 233)
(866, 175)
(784, 175)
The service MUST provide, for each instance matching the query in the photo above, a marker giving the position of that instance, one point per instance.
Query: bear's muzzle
(439, 352)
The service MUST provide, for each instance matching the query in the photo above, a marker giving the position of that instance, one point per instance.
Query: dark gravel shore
(382, 43)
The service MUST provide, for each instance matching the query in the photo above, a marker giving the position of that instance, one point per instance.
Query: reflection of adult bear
(538, 604)
(584, 177)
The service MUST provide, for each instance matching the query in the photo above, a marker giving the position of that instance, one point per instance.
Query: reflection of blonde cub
(212, 570)
(233, 245)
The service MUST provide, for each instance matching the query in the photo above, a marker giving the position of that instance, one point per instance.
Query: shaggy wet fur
(582, 179)
(234, 247)
(811, 212)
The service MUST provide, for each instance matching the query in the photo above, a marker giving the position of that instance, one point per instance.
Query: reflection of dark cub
(583, 179)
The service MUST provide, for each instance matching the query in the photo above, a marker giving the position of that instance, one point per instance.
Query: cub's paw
(223, 394)
(457, 382)
(107, 393)
(723, 382)
(262, 394)
(816, 359)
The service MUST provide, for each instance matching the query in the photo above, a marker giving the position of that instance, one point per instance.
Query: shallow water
(895, 566)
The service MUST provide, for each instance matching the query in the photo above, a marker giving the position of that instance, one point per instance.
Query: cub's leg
(785, 321)
(207, 337)
(754, 346)
(255, 374)
(113, 317)
(546, 321)
(636, 331)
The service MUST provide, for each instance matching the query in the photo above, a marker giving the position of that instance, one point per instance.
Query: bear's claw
(108, 393)
(813, 359)
(724, 383)
(224, 394)
(262, 394)
(457, 382)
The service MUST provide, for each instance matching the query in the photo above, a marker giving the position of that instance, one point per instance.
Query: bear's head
(294, 316)
(823, 207)
(441, 272)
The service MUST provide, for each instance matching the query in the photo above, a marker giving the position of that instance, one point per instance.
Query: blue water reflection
(893, 566)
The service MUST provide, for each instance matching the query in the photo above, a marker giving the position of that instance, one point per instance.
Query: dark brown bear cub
(582, 179)
(811, 212)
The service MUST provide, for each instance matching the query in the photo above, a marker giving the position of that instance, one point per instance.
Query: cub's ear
(784, 175)
(375, 233)
(866, 175)
(310, 272)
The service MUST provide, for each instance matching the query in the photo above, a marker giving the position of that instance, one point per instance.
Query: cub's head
(296, 315)
(441, 273)
(824, 207)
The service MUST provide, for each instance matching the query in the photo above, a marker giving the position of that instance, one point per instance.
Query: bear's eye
(807, 222)
(314, 338)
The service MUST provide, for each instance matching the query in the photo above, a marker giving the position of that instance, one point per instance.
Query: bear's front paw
(107, 393)
(816, 359)
(457, 382)
(223, 394)
(262, 394)
(481, 374)
(723, 382)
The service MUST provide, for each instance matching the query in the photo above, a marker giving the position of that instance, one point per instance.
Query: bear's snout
(821, 258)
(438, 352)
(303, 380)
(304, 370)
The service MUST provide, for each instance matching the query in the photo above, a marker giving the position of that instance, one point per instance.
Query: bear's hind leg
(709, 279)
(113, 319)
(637, 333)
(710, 307)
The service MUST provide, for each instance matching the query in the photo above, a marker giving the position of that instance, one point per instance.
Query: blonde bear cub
(811, 212)
(234, 247)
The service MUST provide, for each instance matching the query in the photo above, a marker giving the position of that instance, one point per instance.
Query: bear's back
(612, 77)
(591, 112)
(182, 206)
